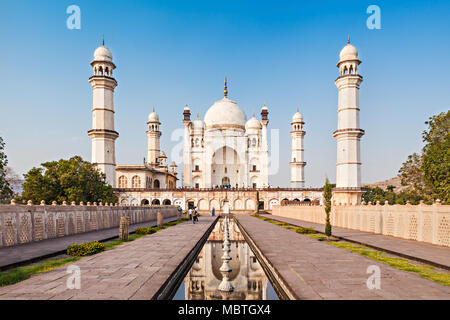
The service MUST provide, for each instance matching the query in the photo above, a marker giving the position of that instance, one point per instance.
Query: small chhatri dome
(253, 123)
(349, 52)
(153, 117)
(162, 155)
(102, 53)
(297, 116)
(198, 123)
(186, 108)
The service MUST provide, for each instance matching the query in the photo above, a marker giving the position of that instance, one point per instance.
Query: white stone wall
(21, 224)
(427, 223)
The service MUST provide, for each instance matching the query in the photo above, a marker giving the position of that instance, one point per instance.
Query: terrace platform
(135, 270)
(312, 269)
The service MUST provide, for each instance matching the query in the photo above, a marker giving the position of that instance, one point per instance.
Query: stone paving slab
(34, 250)
(135, 270)
(426, 252)
(316, 270)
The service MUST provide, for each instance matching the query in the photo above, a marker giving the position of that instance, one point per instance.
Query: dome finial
(225, 91)
(198, 115)
(253, 114)
(348, 39)
(103, 40)
(153, 109)
(298, 109)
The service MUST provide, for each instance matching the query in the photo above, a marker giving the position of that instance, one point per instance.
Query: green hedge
(305, 230)
(85, 249)
(146, 230)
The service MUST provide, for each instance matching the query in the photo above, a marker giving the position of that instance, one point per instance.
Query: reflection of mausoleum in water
(247, 276)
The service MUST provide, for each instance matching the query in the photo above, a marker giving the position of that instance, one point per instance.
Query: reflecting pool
(246, 276)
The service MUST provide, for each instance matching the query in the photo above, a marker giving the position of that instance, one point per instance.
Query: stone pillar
(159, 219)
(124, 228)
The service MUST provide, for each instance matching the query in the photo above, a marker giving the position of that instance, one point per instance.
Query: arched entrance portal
(226, 181)
(156, 202)
(145, 202)
(226, 168)
(167, 202)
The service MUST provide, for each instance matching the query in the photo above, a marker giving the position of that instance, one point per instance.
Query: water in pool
(247, 277)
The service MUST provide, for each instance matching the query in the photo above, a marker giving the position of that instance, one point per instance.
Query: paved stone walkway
(421, 251)
(135, 270)
(34, 250)
(316, 270)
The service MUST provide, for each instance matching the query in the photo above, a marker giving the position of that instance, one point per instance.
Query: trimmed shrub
(305, 230)
(145, 230)
(85, 249)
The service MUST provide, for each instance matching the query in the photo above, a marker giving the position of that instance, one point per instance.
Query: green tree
(327, 194)
(5, 189)
(390, 194)
(412, 176)
(67, 180)
(436, 156)
(374, 194)
(257, 202)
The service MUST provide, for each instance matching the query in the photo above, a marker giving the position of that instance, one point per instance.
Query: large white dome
(225, 113)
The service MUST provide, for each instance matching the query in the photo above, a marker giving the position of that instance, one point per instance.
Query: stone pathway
(421, 251)
(10, 256)
(316, 270)
(135, 270)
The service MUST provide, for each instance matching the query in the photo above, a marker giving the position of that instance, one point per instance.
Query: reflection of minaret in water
(225, 269)
(247, 275)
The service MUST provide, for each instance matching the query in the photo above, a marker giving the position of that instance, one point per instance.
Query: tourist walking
(213, 212)
(195, 214)
(190, 213)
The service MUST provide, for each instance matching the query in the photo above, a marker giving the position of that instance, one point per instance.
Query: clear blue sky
(169, 53)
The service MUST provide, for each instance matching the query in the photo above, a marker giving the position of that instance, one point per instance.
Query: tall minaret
(264, 159)
(187, 171)
(102, 133)
(348, 134)
(153, 137)
(297, 164)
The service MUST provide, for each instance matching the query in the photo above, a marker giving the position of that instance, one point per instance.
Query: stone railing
(427, 223)
(21, 224)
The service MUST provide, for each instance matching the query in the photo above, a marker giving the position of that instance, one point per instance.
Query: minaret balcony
(350, 132)
(103, 133)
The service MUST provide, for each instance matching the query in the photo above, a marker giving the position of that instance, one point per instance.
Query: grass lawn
(425, 271)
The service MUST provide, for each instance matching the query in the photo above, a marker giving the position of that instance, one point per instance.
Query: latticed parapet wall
(427, 223)
(21, 224)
